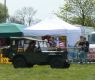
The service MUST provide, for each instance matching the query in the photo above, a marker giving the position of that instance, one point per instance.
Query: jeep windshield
(43, 45)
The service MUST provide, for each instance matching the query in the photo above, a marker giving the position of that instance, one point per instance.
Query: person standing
(80, 46)
(86, 49)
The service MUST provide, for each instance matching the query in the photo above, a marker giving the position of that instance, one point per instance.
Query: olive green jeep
(27, 52)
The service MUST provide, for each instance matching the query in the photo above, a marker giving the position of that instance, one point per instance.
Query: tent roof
(11, 29)
(51, 26)
(52, 23)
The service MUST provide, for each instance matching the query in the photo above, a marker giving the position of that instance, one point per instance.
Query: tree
(78, 12)
(26, 15)
(13, 19)
(3, 13)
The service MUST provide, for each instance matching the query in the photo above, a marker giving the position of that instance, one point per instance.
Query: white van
(91, 38)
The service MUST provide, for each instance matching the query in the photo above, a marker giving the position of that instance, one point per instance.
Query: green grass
(75, 72)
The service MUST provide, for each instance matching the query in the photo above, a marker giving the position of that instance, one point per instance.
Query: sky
(44, 7)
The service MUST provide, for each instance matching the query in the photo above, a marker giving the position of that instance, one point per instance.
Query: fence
(74, 55)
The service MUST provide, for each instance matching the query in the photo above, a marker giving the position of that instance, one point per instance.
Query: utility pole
(5, 9)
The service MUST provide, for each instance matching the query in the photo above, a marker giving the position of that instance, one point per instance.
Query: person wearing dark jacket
(86, 49)
(83, 48)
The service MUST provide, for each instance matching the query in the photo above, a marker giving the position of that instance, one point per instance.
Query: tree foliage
(78, 12)
(24, 16)
(3, 13)
(13, 19)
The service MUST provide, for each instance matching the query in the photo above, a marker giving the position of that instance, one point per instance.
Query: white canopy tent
(56, 27)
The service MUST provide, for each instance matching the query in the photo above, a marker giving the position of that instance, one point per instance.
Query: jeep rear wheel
(19, 62)
(56, 63)
(66, 65)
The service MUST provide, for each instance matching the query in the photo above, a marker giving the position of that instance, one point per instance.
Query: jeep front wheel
(19, 62)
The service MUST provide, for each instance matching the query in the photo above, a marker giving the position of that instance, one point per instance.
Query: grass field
(75, 72)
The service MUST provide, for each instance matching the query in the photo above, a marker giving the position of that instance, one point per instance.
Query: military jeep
(42, 54)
